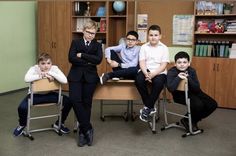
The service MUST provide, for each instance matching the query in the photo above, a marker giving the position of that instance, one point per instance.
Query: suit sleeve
(93, 58)
(73, 59)
(193, 82)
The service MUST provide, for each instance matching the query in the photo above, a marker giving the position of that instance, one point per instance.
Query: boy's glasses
(130, 40)
(90, 33)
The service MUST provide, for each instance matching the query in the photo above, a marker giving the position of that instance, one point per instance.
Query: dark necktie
(87, 44)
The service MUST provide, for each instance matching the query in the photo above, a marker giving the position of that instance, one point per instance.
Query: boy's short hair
(155, 27)
(182, 54)
(90, 24)
(133, 33)
(44, 57)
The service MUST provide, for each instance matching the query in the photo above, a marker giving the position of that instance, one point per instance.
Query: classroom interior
(28, 27)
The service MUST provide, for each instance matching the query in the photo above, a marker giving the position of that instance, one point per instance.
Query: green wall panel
(17, 42)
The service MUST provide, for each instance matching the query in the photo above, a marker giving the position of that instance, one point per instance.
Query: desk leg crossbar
(125, 115)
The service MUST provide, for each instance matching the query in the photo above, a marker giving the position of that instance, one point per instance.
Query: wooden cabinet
(217, 78)
(116, 24)
(54, 31)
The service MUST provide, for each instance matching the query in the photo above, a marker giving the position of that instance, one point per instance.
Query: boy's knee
(23, 108)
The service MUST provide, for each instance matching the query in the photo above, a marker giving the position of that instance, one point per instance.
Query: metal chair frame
(183, 86)
(42, 86)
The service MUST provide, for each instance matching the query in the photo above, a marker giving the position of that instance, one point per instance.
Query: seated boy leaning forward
(123, 59)
(202, 105)
(44, 69)
(153, 59)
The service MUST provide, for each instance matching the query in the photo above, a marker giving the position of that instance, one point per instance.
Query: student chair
(40, 87)
(183, 86)
(154, 117)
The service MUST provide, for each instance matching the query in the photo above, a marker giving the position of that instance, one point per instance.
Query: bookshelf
(216, 71)
(213, 29)
(112, 25)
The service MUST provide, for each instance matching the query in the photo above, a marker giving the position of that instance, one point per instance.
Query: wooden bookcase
(206, 33)
(216, 74)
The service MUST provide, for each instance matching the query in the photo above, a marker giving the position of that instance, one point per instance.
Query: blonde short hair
(90, 24)
(44, 57)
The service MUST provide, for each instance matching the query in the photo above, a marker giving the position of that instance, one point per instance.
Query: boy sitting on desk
(123, 59)
(201, 105)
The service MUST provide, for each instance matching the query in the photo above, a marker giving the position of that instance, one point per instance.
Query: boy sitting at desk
(201, 105)
(123, 59)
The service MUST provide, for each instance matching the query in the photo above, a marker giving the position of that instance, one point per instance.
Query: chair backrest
(44, 85)
(182, 85)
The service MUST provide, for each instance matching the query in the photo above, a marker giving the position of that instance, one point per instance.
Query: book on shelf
(213, 48)
(80, 23)
(103, 25)
(233, 51)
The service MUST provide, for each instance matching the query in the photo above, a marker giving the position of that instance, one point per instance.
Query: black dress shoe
(89, 137)
(81, 140)
(185, 123)
(195, 127)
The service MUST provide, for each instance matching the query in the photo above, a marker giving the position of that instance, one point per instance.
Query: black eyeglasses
(131, 40)
(90, 33)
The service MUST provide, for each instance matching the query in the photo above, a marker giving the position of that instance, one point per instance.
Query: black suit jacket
(84, 68)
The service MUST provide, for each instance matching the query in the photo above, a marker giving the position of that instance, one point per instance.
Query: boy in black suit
(84, 55)
(202, 105)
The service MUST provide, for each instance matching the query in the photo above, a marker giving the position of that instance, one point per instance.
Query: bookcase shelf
(207, 26)
(220, 34)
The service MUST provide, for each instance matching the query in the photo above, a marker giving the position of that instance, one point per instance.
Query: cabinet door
(45, 13)
(225, 92)
(61, 34)
(205, 68)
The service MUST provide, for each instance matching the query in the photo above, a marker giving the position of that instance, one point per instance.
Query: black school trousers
(201, 105)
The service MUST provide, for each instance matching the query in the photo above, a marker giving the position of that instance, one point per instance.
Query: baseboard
(13, 91)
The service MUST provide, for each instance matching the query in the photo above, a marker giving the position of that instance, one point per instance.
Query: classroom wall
(161, 12)
(17, 42)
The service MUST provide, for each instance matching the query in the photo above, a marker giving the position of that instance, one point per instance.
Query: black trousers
(81, 96)
(51, 97)
(126, 73)
(201, 105)
(149, 97)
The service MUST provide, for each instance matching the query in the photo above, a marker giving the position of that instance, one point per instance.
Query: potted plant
(228, 8)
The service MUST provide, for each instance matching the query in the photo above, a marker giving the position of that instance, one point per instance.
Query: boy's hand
(114, 64)
(183, 75)
(78, 55)
(109, 61)
(43, 74)
(148, 76)
(50, 78)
